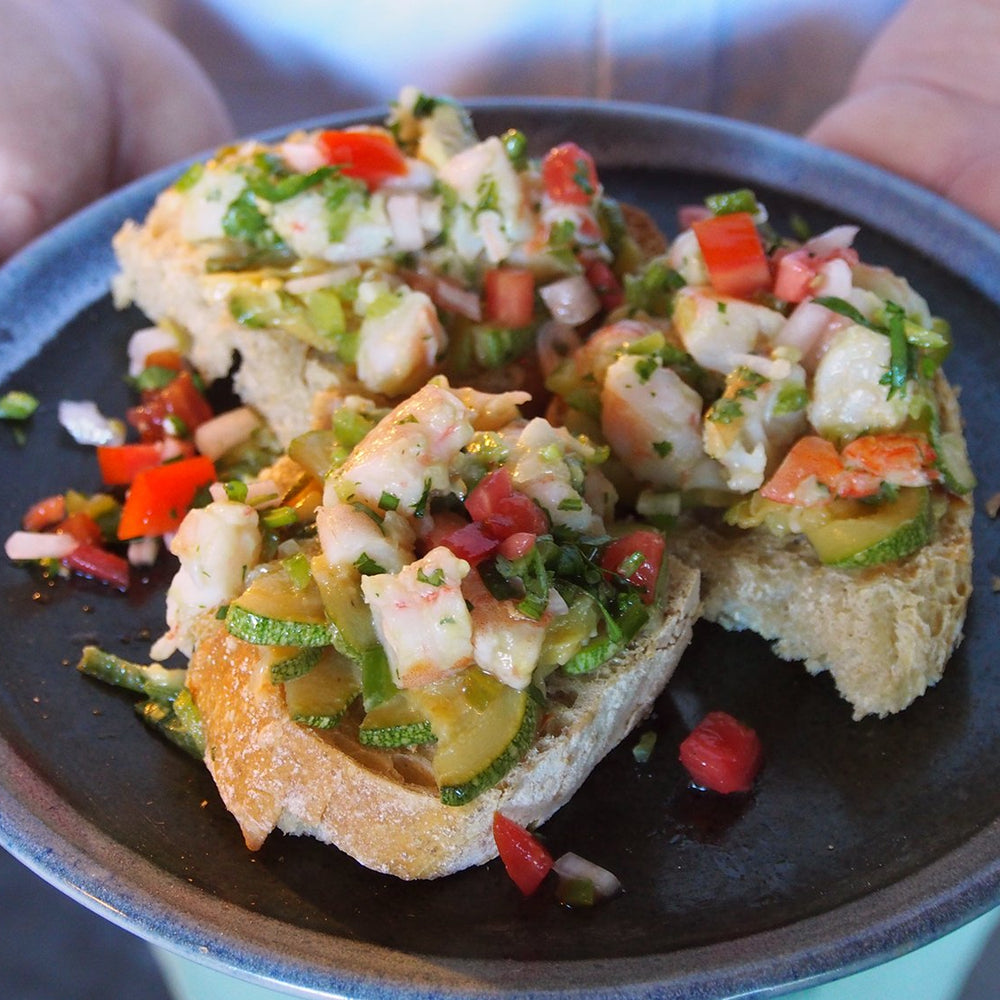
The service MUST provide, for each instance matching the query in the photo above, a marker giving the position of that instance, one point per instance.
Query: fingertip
(20, 222)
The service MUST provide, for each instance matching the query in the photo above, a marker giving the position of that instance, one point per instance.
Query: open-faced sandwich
(517, 428)
(468, 629)
(781, 405)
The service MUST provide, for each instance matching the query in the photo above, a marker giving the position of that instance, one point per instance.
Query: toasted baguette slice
(885, 633)
(167, 278)
(375, 806)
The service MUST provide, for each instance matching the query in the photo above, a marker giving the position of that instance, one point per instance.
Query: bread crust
(884, 633)
(273, 773)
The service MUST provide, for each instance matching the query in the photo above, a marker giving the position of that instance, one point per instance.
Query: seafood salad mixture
(513, 398)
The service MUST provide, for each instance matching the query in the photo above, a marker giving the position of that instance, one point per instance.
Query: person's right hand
(91, 95)
(925, 102)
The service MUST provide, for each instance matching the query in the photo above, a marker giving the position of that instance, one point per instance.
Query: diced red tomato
(798, 272)
(160, 497)
(120, 463)
(82, 527)
(501, 510)
(44, 513)
(795, 275)
(722, 754)
(734, 254)
(179, 400)
(509, 296)
(372, 157)
(900, 459)
(605, 283)
(812, 461)
(569, 175)
(99, 564)
(470, 542)
(622, 551)
(525, 858)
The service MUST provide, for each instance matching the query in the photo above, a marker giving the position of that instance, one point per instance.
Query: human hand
(925, 102)
(91, 96)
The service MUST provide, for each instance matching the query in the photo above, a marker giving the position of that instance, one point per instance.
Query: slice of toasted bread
(884, 633)
(379, 807)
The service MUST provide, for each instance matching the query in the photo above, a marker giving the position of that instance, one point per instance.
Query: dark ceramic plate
(861, 840)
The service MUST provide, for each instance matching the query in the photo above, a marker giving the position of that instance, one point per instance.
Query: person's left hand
(91, 95)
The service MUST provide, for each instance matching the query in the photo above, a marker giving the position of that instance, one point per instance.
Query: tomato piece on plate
(509, 296)
(526, 860)
(99, 564)
(569, 175)
(722, 754)
(734, 254)
(371, 157)
(160, 497)
(637, 557)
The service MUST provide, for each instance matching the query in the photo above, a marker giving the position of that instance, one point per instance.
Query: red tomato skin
(160, 497)
(119, 464)
(605, 283)
(722, 754)
(180, 399)
(569, 175)
(526, 860)
(368, 156)
(482, 499)
(509, 294)
(470, 542)
(651, 544)
(734, 255)
(99, 564)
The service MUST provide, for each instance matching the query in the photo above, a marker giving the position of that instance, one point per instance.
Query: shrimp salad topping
(526, 406)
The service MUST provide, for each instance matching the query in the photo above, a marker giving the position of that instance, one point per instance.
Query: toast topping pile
(482, 400)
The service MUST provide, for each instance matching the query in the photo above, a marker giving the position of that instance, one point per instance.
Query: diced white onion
(571, 300)
(144, 342)
(302, 156)
(804, 327)
(87, 425)
(404, 217)
(38, 545)
(458, 300)
(323, 279)
(495, 240)
(143, 551)
(572, 866)
(215, 437)
(837, 238)
(836, 278)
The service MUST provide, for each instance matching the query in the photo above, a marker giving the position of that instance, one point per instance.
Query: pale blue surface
(937, 971)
